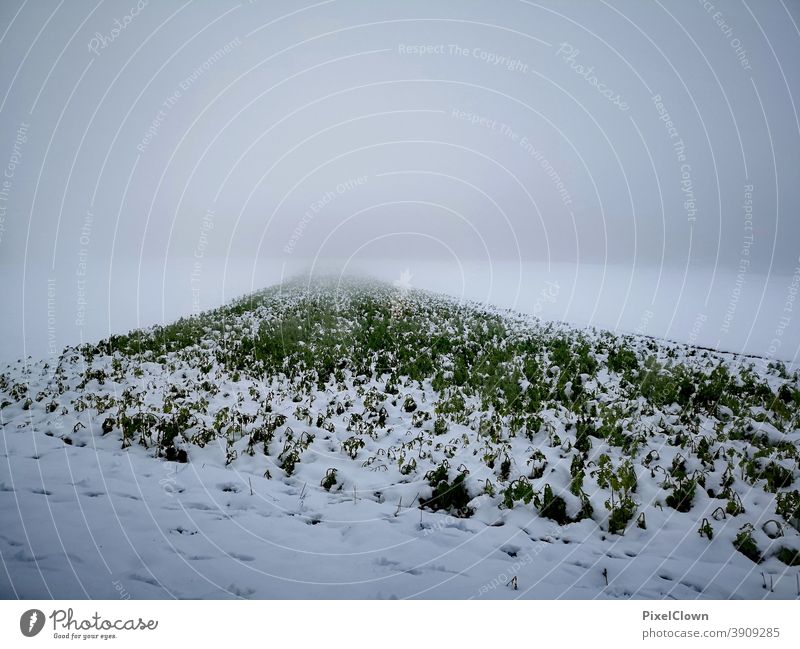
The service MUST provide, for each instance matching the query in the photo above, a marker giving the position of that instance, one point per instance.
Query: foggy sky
(138, 139)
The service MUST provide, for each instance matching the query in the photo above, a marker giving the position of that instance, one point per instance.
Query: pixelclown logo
(31, 622)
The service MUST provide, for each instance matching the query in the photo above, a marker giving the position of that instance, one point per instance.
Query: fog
(629, 165)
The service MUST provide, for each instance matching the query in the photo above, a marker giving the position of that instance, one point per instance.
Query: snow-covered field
(363, 441)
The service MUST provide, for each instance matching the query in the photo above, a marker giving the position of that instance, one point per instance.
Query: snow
(83, 517)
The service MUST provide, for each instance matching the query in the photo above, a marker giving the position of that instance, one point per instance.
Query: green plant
(621, 480)
(519, 490)
(706, 529)
(352, 445)
(578, 473)
(329, 479)
(622, 359)
(505, 469)
(288, 459)
(586, 509)
(449, 496)
(538, 462)
(576, 484)
(776, 476)
(789, 556)
(678, 468)
(621, 513)
(746, 544)
(734, 507)
(787, 504)
(552, 506)
(682, 495)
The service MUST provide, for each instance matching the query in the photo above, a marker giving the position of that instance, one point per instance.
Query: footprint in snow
(244, 593)
(23, 556)
(150, 581)
(229, 487)
(183, 530)
(203, 507)
(128, 496)
(694, 587)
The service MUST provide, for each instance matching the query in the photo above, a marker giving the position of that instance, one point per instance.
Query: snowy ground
(86, 516)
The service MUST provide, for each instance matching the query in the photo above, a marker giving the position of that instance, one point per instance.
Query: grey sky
(281, 132)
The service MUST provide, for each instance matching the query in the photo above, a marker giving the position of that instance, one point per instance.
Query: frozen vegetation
(357, 440)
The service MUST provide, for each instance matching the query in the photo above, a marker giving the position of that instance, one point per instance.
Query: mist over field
(400, 299)
(162, 158)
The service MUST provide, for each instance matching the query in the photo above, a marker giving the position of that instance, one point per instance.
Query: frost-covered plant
(787, 504)
(352, 445)
(519, 490)
(451, 496)
(789, 556)
(552, 506)
(538, 462)
(682, 495)
(329, 480)
(746, 544)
